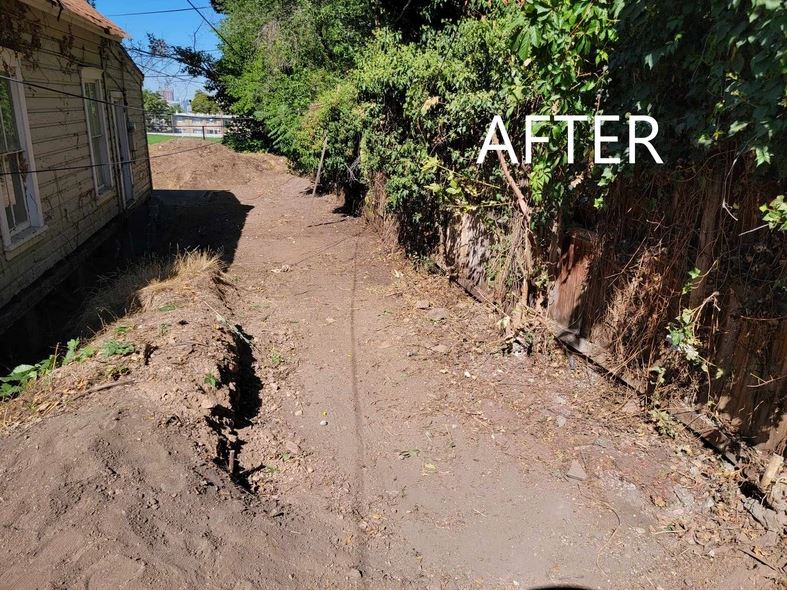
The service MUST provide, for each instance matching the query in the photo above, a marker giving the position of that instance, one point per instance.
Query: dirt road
(392, 443)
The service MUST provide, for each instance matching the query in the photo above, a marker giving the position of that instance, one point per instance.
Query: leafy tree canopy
(155, 105)
(204, 103)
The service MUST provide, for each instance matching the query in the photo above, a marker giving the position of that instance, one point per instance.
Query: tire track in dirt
(359, 499)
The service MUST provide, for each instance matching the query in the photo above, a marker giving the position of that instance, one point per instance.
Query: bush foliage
(404, 92)
(408, 90)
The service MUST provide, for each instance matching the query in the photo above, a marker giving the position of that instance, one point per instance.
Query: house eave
(56, 9)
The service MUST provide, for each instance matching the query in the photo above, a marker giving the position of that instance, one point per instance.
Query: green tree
(156, 108)
(204, 103)
(278, 56)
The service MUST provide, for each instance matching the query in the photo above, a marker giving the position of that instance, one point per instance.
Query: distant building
(198, 124)
(167, 94)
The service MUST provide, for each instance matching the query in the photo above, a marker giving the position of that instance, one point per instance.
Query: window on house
(18, 189)
(96, 112)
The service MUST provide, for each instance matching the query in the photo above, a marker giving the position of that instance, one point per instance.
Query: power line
(87, 98)
(66, 93)
(168, 57)
(180, 78)
(156, 11)
(210, 24)
(161, 74)
(88, 166)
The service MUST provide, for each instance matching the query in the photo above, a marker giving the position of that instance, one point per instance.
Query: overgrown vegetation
(401, 96)
(133, 289)
(13, 384)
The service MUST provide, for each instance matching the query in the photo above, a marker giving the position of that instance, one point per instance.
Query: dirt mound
(146, 485)
(115, 496)
(172, 164)
(170, 302)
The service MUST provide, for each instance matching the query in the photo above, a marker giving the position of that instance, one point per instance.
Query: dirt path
(394, 444)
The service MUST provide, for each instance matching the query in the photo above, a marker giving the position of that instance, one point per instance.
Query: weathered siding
(52, 53)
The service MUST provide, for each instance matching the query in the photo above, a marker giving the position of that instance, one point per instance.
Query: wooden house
(73, 150)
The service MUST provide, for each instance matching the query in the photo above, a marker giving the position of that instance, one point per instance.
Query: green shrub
(22, 376)
(114, 348)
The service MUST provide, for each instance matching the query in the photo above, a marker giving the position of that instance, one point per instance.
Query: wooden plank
(704, 428)
(567, 299)
(697, 423)
(598, 355)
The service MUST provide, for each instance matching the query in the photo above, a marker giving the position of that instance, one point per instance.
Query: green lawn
(157, 138)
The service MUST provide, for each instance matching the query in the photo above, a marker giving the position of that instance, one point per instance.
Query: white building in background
(200, 124)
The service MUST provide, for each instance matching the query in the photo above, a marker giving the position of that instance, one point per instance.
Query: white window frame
(35, 225)
(90, 75)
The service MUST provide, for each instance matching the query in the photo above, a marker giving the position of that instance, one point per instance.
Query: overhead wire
(182, 77)
(66, 93)
(176, 77)
(210, 24)
(80, 96)
(156, 11)
(105, 102)
(165, 56)
(88, 166)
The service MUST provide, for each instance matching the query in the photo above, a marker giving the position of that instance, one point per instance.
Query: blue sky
(177, 28)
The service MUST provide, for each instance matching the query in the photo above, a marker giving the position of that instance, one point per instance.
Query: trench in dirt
(245, 400)
(60, 316)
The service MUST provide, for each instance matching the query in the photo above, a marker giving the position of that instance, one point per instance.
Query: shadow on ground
(172, 221)
(199, 219)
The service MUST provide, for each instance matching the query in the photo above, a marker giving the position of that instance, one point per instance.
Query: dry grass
(135, 288)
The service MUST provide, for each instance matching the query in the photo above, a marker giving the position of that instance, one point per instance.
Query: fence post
(319, 168)
(203, 132)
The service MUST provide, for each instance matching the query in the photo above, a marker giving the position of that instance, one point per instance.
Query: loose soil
(325, 415)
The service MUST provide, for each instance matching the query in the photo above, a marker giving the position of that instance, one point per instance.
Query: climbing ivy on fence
(713, 73)
(425, 106)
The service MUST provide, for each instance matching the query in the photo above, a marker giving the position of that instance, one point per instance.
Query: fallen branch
(609, 539)
(520, 197)
(527, 212)
(762, 560)
(109, 385)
